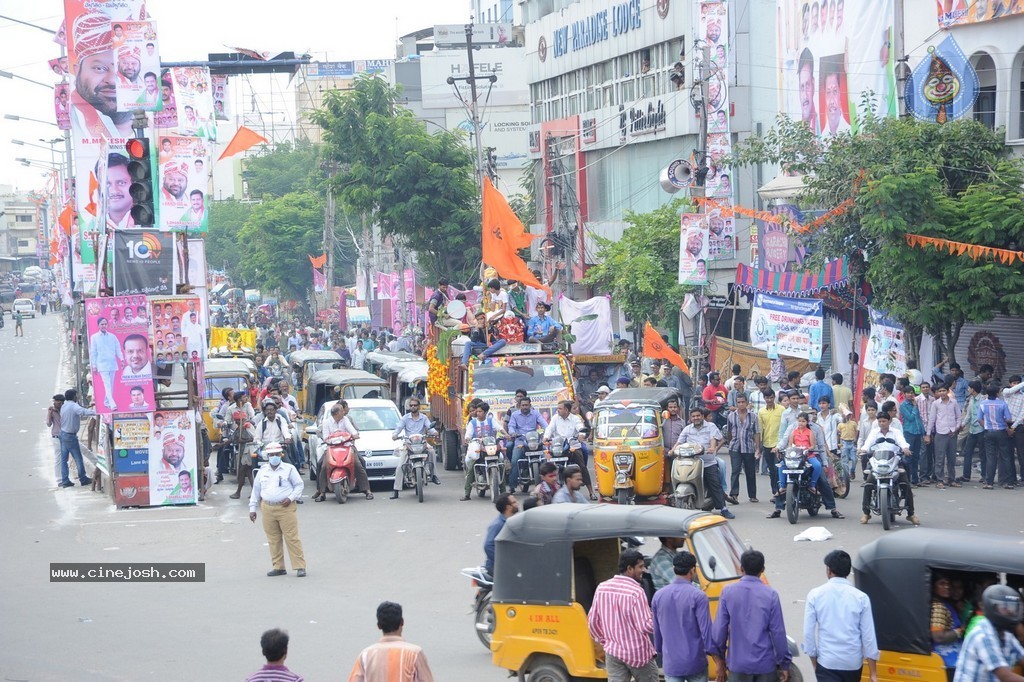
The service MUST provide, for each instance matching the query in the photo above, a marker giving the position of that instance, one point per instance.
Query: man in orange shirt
(715, 397)
(392, 659)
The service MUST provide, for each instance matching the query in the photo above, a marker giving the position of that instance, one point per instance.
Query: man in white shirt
(567, 426)
(337, 421)
(272, 427)
(275, 490)
(829, 422)
(883, 429)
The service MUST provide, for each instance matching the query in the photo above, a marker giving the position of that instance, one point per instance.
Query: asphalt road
(358, 554)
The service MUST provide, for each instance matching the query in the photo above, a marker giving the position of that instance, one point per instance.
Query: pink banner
(120, 354)
(319, 281)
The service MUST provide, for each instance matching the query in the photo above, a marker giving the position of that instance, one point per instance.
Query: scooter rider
(413, 423)
(481, 425)
(705, 434)
(522, 422)
(882, 429)
(567, 426)
(338, 422)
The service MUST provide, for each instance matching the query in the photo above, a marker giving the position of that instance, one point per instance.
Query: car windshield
(533, 374)
(620, 423)
(374, 418)
(216, 385)
(718, 550)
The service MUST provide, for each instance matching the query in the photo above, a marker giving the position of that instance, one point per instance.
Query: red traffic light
(136, 149)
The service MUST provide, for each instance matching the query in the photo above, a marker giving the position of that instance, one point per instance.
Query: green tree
(284, 168)
(276, 240)
(415, 185)
(223, 246)
(955, 181)
(641, 269)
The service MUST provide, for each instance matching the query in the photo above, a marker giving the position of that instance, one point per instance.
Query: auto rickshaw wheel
(622, 496)
(546, 669)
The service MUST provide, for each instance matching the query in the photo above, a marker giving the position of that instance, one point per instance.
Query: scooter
(529, 465)
(415, 469)
(797, 484)
(887, 500)
(489, 468)
(688, 478)
(484, 613)
(341, 466)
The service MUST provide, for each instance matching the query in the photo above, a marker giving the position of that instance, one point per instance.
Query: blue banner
(787, 326)
(943, 86)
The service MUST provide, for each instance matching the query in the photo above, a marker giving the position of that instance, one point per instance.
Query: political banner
(232, 339)
(220, 98)
(138, 66)
(119, 354)
(62, 105)
(90, 31)
(787, 326)
(143, 263)
(693, 249)
(131, 444)
(943, 86)
(178, 332)
(173, 470)
(721, 236)
(193, 97)
(195, 265)
(959, 12)
(59, 66)
(184, 177)
(886, 349)
(167, 118)
(835, 61)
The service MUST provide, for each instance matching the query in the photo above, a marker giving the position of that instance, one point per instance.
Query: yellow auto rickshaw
(549, 561)
(629, 457)
(897, 571)
(220, 373)
(305, 363)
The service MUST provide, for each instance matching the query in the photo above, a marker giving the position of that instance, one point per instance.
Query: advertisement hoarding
(787, 326)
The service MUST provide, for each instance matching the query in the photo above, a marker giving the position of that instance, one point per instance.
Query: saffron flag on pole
(503, 235)
(657, 347)
(319, 261)
(244, 139)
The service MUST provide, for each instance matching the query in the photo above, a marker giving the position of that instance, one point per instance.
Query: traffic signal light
(140, 169)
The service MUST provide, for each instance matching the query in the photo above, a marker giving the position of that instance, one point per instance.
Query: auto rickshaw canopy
(320, 387)
(534, 551)
(639, 396)
(896, 573)
(301, 357)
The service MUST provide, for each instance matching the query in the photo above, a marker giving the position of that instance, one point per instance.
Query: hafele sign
(637, 121)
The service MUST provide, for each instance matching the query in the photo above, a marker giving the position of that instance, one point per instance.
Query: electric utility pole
(474, 109)
(704, 74)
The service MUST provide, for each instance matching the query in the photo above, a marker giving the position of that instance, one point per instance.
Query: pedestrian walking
(839, 632)
(391, 659)
(744, 447)
(274, 491)
(71, 414)
(53, 421)
(682, 625)
(19, 330)
(275, 648)
(991, 649)
(749, 632)
(621, 622)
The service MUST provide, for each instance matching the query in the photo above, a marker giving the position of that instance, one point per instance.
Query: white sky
(188, 31)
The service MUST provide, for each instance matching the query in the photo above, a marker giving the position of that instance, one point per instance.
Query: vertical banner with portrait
(119, 354)
(220, 98)
(167, 117)
(62, 105)
(693, 249)
(138, 65)
(886, 350)
(173, 468)
(195, 266)
(179, 333)
(143, 263)
(184, 175)
(87, 22)
(714, 27)
(130, 460)
(193, 97)
(832, 53)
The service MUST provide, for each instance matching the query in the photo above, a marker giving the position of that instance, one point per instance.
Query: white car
(25, 306)
(376, 420)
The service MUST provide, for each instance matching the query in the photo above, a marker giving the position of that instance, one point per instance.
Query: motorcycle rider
(704, 433)
(815, 458)
(991, 649)
(413, 423)
(481, 425)
(272, 427)
(338, 422)
(524, 421)
(882, 429)
(567, 426)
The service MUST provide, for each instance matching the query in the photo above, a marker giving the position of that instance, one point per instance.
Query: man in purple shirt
(997, 422)
(275, 648)
(524, 421)
(682, 625)
(750, 614)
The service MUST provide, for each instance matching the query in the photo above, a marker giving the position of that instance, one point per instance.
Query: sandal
(369, 495)
(593, 497)
(319, 498)
(954, 484)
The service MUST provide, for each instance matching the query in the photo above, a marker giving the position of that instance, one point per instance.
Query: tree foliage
(641, 269)
(415, 185)
(954, 181)
(284, 168)
(223, 244)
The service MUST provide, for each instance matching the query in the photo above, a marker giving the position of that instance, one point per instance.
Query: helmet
(1003, 606)
(272, 448)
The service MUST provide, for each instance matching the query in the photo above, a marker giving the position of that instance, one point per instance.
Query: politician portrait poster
(120, 358)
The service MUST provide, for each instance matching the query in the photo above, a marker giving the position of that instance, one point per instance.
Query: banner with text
(143, 263)
(119, 354)
(174, 476)
(787, 326)
(886, 349)
(184, 164)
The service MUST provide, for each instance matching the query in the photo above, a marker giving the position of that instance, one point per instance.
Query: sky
(188, 31)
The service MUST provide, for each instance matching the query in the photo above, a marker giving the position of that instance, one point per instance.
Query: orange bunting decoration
(1004, 256)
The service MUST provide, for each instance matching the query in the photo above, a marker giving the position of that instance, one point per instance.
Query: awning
(782, 186)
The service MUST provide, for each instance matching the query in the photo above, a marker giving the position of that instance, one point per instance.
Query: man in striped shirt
(621, 621)
(275, 648)
(392, 659)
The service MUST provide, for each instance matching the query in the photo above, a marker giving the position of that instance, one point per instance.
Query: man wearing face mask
(275, 491)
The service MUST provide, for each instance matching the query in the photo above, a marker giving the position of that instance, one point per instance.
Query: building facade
(19, 229)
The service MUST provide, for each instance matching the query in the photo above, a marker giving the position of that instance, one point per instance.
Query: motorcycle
(484, 613)
(887, 499)
(564, 451)
(797, 484)
(489, 468)
(340, 462)
(415, 469)
(528, 474)
(688, 478)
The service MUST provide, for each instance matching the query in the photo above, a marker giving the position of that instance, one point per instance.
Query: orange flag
(65, 218)
(319, 261)
(655, 347)
(243, 139)
(503, 236)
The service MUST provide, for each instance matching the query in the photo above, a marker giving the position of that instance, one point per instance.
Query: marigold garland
(437, 374)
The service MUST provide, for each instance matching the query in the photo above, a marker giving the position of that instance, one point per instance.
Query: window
(985, 105)
(628, 91)
(23, 219)
(23, 242)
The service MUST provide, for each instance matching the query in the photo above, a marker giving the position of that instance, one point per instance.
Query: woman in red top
(802, 436)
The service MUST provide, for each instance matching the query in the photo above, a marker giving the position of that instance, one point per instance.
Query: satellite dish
(454, 312)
